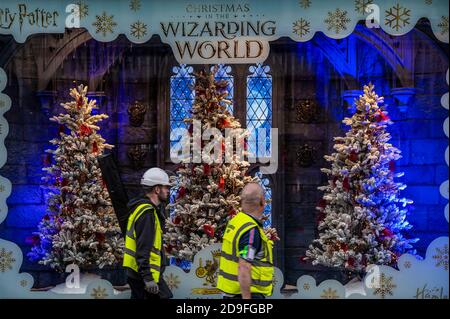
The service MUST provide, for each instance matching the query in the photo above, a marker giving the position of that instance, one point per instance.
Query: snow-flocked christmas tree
(80, 226)
(208, 192)
(362, 216)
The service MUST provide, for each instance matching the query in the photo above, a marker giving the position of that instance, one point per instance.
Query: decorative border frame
(415, 279)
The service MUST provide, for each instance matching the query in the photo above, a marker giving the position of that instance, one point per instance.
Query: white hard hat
(155, 176)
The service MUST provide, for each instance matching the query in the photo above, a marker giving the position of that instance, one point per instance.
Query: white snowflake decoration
(397, 17)
(138, 29)
(104, 23)
(301, 27)
(337, 20)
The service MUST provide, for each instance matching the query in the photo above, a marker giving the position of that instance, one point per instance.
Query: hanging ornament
(222, 184)
(344, 246)
(64, 182)
(351, 261)
(95, 147)
(47, 160)
(387, 233)
(232, 212)
(392, 166)
(322, 203)
(380, 116)
(181, 192)
(80, 101)
(177, 220)
(346, 184)
(353, 156)
(206, 169)
(224, 123)
(209, 230)
(85, 130)
(34, 240)
(61, 129)
(100, 237)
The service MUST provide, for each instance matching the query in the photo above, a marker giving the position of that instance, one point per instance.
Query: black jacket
(145, 235)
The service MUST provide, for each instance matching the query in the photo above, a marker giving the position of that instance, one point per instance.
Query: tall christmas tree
(80, 226)
(208, 193)
(362, 217)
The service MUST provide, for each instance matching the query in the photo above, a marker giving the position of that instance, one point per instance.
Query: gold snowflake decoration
(441, 257)
(397, 17)
(329, 294)
(337, 20)
(104, 23)
(172, 281)
(83, 9)
(301, 27)
(99, 293)
(385, 286)
(138, 29)
(305, 4)
(443, 25)
(306, 286)
(135, 5)
(6, 260)
(407, 264)
(360, 5)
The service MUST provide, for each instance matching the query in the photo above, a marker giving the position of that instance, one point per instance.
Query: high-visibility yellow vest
(129, 258)
(262, 270)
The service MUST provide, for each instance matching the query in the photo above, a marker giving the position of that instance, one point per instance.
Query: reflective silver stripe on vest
(156, 251)
(129, 252)
(229, 257)
(155, 267)
(262, 283)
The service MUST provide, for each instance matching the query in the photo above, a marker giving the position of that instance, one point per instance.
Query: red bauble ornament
(181, 192)
(80, 101)
(392, 166)
(47, 160)
(209, 230)
(353, 156)
(322, 203)
(344, 247)
(333, 183)
(33, 240)
(232, 212)
(303, 259)
(177, 220)
(223, 148)
(346, 184)
(64, 182)
(206, 169)
(221, 184)
(387, 232)
(100, 237)
(85, 130)
(224, 123)
(94, 147)
(46, 217)
(380, 116)
(61, 129)
(351, 261)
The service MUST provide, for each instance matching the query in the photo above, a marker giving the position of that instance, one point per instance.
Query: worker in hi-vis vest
(144, 256)
(246, 263)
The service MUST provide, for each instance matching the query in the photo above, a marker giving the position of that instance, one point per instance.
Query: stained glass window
(223, 73)
(265, 183)
(181, 97)
(259, 107)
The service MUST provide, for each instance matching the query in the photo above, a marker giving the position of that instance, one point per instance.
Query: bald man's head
(252, 198)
